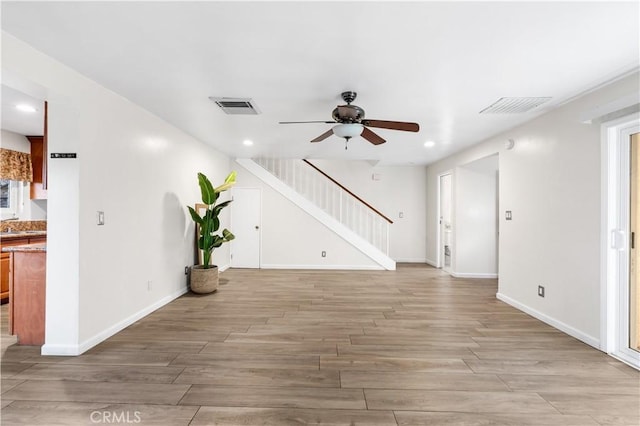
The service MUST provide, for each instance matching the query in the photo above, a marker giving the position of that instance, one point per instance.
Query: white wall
(15, 142)
(475, 249)
(31, 209)
(551, 183)
(400, 189)
(133, 166)
(290, 238)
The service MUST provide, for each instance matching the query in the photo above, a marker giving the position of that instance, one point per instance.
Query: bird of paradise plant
(209, 222)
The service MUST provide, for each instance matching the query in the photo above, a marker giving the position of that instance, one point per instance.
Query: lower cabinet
(4, 277)
(27, 304)
(4, 261)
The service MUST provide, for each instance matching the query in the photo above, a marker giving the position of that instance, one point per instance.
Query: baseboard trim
(565, 328)
(431, 263)
(223, 268)
(59, 350)
(67, 350)
(411, 260)
(473, 275)
(323, 267)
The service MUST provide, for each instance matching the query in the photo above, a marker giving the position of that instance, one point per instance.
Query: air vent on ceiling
(514, 105)
(236, 105)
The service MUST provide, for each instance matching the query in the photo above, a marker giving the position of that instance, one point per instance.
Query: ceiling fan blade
(323, 136)
(372, 137)
(393, 125)
(304, 122)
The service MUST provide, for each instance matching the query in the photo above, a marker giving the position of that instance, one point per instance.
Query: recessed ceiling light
(429, 144)
(247, 142)
(25, 108)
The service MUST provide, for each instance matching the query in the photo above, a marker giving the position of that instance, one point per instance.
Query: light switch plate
(100, 218)
(507, 215)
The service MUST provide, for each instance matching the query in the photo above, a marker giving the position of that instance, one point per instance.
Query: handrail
(347, 191)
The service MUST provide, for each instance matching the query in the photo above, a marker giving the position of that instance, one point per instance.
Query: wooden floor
(410, 347)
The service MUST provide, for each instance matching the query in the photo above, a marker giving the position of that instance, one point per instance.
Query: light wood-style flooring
(410, 347)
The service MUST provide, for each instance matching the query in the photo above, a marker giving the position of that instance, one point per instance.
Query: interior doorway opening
(445, 222)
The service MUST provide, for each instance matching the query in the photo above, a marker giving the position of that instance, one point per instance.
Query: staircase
(328, 202)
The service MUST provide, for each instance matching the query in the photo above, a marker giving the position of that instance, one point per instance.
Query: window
(5, 193)
(10, 199)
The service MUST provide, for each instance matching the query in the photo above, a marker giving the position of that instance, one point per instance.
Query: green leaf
(231, 177)
(209, 214)
(228, 182)
(208, 193)
(195, 216)
(220, 206)
(217, 241)
(228, 236)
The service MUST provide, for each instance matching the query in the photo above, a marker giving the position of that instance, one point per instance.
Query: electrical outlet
(507, 215)
(324, 253)
(401, 215)
(100, 218)
(186, 270)
(540, 291)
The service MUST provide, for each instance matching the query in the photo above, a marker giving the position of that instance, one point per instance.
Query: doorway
(445, 225)
(246, 212)
(620, 332)
(476, 218)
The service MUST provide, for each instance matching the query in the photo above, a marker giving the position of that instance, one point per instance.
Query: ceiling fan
(351, 122)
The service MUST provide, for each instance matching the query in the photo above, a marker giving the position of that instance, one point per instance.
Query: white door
(245, 224)
(621, 305)
(631, 290)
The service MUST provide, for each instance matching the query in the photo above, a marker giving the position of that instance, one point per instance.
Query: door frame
(259, 189)
(440, 237)
(615, 183)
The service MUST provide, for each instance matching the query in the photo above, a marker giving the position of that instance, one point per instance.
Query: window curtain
(15, 165)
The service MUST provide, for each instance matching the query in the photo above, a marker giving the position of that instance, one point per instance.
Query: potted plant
(204, 277)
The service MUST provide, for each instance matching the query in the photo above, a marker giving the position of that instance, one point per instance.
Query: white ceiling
(14, 120)
(434, 63)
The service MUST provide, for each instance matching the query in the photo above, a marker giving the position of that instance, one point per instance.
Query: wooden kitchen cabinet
(4, 277)
(5, 262)
(38, 161)
(28, 287)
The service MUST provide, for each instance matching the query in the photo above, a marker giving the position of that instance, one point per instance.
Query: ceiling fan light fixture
(348, 130)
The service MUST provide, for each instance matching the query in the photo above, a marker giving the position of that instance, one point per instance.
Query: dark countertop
(37, 247)
(21, 234)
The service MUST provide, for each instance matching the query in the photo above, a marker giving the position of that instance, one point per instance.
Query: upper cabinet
(39, 154)
(38, 158)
